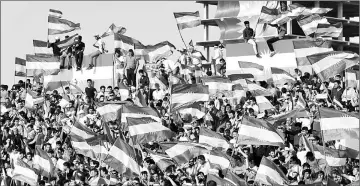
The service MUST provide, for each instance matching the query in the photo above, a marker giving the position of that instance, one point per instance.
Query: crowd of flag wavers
(179, 124)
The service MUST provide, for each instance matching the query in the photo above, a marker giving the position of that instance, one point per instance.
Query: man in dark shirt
(79, 48)
(144, 80)
(337, 91)
(54, 46)
(249, 35)
(90, 91)
(281, 31)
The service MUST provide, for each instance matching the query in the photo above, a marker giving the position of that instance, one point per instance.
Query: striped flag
(109, 112)
(333, 157)
(43, 163)
(295, 113)
(24, 173)
(67, 42)
(122, 158)
(183, 152)
(161, 160)
(329, 30)
(42, 65)
(213, 139)
(301, 103)
(220, 85)
(80, 131)
(195, 110)
(352, 77)
(230, 179)
(254, 69)
(108, 133)
(328, 64)
(114, 29)
(268, 14)
(94, 147)
(258, 132)
(146, 129)
(309, 23)
(134, 111)
(337, 125)
(41, 48)
(61, 26)
(304, 48)
(149, 52)
(32, 99)
(280, 76)
(55, 13)
(263, 103)
(184, 94)
(99, 74)
(257, 90)
(187, 19)
(283, 59)
(20, 67)
(270, 174)
(219, 160)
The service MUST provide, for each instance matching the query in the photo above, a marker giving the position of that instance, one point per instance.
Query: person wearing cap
(55, 47)
(79, 48)
(100, 45)
(249, 36)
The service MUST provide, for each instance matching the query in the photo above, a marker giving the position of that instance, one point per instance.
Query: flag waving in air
(114, 29)
(187, 19)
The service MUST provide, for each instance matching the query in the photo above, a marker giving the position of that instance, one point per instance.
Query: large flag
(161, 160)
(94, 147)
(67, 42)
(20, 67)
(149, 52)
(213, 139)
(254, 69)
(284, 58)
(80, 131)
(32, 99)
(99, 75)
(333, 157)
(183, 152)
(109, 112)
(41, 48)
(230, 179)
(304, 48)
(309, 23)
(134, 111)
(114, 29)
(187, 19)
(336, 125)
(146, 129)
(23, 172)
(280, 76)
(195, 110)
(42, 65)
(61, 26)
(55, 13)
(230, 28)
(270, 174)
(219, 160)
(43, 163)
(329, 64)
(184, 94)
(122, 158)
(329, 30)
(258, 132)
(220, 85)
(263, 103)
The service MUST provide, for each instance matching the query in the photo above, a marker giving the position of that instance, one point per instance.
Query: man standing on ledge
(249, 36)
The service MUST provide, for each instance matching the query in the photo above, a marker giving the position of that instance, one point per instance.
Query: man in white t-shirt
(158, 93)
(100, 45)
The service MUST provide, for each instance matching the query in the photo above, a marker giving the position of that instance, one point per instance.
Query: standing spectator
(100, 45)
(119, 63)
(90, 91)
(79, 48)
(131, 66)
(249, 36)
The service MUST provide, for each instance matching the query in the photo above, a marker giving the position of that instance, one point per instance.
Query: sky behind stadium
(148, 22)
